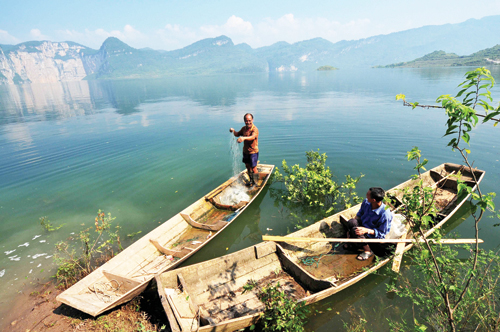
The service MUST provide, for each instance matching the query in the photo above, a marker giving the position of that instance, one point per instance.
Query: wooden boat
(164, 248)
(209, 296)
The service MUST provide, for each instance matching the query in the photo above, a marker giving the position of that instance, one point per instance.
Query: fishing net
(311, 260)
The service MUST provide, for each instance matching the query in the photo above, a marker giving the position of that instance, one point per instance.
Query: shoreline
(38, 310)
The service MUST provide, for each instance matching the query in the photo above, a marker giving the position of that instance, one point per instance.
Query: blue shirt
(379, 219)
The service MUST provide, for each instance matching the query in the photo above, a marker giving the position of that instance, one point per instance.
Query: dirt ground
(39, 311)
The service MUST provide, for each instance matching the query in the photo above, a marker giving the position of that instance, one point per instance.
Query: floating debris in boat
(24, 244)
(196, 242)
(180, 242)
(209, 235)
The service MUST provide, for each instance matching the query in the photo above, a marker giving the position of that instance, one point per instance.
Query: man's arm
(246, 138)
(255, 134)
(380, 231)
(235, 133)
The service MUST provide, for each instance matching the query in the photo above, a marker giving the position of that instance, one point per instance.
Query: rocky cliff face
(43, 62)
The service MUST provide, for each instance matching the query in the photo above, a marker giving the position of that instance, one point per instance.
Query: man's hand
(231, 130)
(363, 230)
(240, 139)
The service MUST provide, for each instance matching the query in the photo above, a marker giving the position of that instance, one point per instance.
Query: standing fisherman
(249, 134)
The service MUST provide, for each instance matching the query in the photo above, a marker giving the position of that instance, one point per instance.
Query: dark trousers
(351, 226)
(380, 249)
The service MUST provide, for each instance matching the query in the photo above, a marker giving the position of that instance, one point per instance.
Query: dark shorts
(251, 159)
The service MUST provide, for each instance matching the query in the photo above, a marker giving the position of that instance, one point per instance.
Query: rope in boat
(102, 290)
(310, 261)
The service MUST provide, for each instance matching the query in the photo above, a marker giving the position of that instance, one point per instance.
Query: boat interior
(211, 214)
(218, 291)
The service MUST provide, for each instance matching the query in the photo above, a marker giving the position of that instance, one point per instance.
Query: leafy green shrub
(48, 226)
(282, 312)
(95, 248)
(311, 191)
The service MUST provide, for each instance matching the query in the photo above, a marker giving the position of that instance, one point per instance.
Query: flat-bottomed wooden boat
(209, 296)
(126, 275)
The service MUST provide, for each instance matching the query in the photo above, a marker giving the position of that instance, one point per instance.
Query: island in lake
(322, 68)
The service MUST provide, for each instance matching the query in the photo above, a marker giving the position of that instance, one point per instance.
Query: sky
(173, 24)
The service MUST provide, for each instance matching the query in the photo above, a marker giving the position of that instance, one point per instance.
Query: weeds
(97, 247)
(282, 312)
(357, 323)
(47, 225)
(129, 317)
(311, 192)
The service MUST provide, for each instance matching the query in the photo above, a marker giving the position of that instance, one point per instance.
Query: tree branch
(405, 103)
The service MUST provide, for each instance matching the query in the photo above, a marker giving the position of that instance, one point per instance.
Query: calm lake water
(145, 149)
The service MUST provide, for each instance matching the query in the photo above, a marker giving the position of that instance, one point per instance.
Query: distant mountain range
(489, 56)
(45, 61)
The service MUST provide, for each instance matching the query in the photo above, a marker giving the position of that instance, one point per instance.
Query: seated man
(371, 221)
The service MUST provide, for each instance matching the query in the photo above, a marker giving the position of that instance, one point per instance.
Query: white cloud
(6, 38)
(266, 32)
(287, 28)
(174, 36)
(94, 38)
(291, 29)
(235, 26)
(36, 34)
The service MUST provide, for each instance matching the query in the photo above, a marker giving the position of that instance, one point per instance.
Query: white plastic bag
(397, 227)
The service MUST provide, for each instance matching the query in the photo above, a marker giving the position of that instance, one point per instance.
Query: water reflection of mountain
(52, 101)
(39, 102)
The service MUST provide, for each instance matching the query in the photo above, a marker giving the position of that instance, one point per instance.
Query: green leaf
(466, 138)
(491, 115)
(460, 93)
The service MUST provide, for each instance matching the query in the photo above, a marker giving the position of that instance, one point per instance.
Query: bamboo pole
(344, 240)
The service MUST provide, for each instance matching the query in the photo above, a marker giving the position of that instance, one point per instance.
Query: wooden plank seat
(234, 207)
(170, 252)
(215, 227)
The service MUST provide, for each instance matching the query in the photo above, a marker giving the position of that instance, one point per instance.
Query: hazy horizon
(173, 25)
